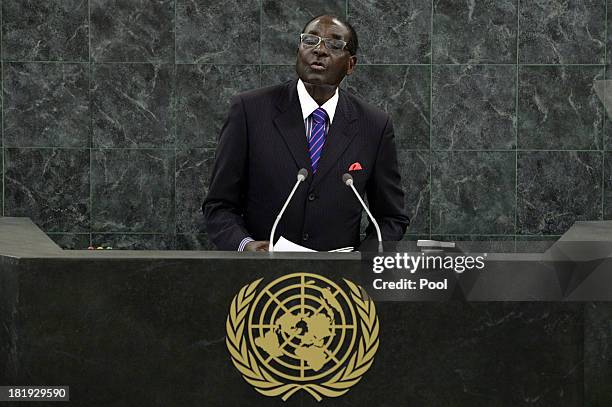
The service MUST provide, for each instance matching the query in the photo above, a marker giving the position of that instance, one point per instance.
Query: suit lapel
(291, 126)
(341, 133)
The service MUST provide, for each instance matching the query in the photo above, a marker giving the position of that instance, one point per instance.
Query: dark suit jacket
(261, 148)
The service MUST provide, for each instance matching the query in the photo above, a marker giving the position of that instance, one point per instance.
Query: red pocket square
(355, 167)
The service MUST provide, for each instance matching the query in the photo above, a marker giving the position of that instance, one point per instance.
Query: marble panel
(133, 241)
(474, 107)
(392, 31)
(203, 99)
(2, 98)
(557, 188)
(414, 169)
(133, 191)
(193, 170)
(134, 31)
(132, 105)
(609, 32)
(71, 241)
(220, 32)
(473, 192)
(608, 186)
(283, 21)
(275, 74)
(562, 32)
(196, 241)
(404, 93)
(46, 105)
(608, 135)
(475, 32)
(559, 109)
(50, 30)
(607, 143)
(50, 186)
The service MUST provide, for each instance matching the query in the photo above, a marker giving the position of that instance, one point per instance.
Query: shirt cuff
(244, 242)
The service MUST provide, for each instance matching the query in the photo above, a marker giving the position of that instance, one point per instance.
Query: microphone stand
(301, 176)
(348, 180)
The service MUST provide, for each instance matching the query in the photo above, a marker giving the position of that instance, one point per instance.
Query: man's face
(319, 65)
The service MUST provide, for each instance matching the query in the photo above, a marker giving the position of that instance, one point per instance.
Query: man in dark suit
(307, 123)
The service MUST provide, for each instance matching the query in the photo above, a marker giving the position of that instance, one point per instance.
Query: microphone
(348, 180)
(301, 176)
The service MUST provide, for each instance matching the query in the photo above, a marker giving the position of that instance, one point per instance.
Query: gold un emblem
(302, 332)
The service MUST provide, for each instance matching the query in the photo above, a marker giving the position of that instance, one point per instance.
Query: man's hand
(257, 246)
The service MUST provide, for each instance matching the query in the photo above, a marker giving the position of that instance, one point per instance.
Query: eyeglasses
(332, 44)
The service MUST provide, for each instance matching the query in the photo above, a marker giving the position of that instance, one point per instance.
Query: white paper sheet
(284, 245)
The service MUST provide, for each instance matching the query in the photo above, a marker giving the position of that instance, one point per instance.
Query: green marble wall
(111, 110)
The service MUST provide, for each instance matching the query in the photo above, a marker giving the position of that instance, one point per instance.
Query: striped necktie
(317, 137)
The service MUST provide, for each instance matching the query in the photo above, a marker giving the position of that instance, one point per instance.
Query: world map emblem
(302, 332)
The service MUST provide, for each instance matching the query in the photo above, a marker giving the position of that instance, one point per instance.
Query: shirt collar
(309, 105)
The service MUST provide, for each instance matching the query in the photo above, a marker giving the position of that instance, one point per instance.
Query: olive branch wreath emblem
(265, 383)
